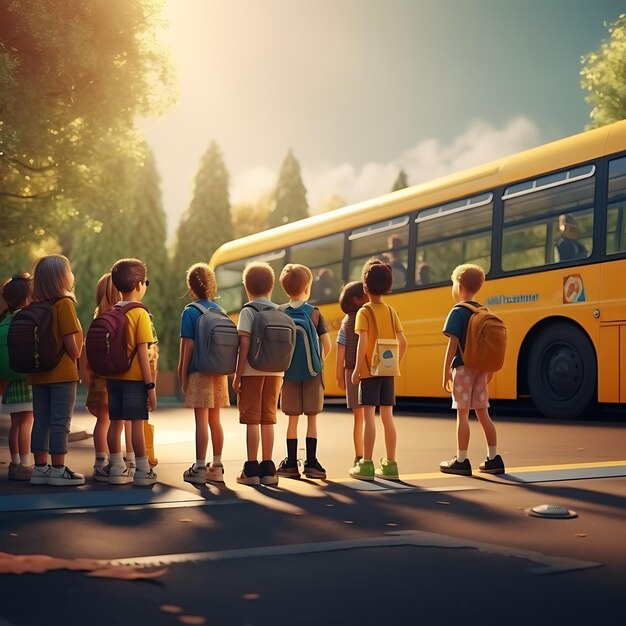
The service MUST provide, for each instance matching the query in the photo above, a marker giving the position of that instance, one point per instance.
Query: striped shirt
(348, 338)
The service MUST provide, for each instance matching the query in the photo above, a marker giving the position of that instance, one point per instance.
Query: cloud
(431, 158)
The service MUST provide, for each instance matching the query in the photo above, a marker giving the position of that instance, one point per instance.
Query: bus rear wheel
(562, 371)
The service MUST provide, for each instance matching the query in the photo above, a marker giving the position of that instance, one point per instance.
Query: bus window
(324, 257)
(388, 241)
(548, 220)
(451, 234)
(616, 208)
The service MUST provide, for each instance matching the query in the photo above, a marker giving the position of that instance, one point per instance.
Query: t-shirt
(389, 326)
(188, 321)
(138, 331)
(456, 326)
(64, 322)
(570, 249)
(244, 327)
(348, 338)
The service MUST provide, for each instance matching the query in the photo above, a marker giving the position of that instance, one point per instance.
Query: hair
(258, 278)
(106, 295)
(201, 281)
(15, 291)
(127, 273)
(377, 276)
(51, 278)
(470, 276)
(351, 292)
(295, 278)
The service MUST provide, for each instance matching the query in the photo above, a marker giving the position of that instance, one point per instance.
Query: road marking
(548, 564)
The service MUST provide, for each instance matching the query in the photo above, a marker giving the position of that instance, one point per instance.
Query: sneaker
(249, 474)
(215, 472)
(12, 470)
(388, 469)
(267, 473)
(119, 475)
(356, 460)
(41, 475)
(101, 473)
(288, 470)
(22, 472)
(454, 466)
(132, 467)
(195, 476)
(492, 466)
(313, 469)
(143, 478)
(62, 476)
(363, 470)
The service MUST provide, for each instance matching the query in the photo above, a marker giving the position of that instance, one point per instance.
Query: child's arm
(244, 348)
(402, 345)
(453, 344)
(326, 345)
(73, 344)
(340, 371)
(360, 357)
(184, 359)
(144, 363)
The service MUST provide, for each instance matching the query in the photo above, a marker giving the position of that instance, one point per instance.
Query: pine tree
(290, 202)
(401, 182)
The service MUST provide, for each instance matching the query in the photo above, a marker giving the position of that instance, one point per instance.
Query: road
(432, 548)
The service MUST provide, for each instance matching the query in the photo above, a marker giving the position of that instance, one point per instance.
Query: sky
(359, 88)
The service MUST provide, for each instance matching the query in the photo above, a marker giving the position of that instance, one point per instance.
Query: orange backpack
(485, 341)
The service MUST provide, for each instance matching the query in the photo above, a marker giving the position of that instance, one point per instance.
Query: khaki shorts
(469, 388)
(302, 397)
(258, 399)
(352, 391)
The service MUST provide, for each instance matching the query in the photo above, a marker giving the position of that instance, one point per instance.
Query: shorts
(377, 391)
(258, 399)
(206, 391)
(302, 397)
(97, 395)
(128, 399)
(469, 388)
(352, 391)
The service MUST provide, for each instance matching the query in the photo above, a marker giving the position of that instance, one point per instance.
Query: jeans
(53, 405)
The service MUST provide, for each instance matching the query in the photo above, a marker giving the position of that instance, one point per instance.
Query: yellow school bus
(548, 225)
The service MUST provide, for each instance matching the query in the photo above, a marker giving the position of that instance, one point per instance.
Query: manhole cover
(554, 511)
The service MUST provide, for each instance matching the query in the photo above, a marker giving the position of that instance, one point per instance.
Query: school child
(467, 385)
(205, 393)
(257, 391)
(54, 391)
(375, 321)
(17, 398)
(302, 396)
(97, 398)
(132, 394)
(351, 299)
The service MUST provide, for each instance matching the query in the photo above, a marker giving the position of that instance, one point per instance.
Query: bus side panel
(608, 364)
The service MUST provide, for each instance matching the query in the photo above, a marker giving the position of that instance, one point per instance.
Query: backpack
(106, 342)
(6, 371)
(216, 342)
(31, 342)
(485, 340)
(306, 362)
(272, 340)
(385, 357)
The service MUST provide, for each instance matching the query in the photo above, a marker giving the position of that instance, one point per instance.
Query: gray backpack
(272, 340)
(216, 342)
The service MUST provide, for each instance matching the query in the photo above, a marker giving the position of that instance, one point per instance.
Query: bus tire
(562, 371)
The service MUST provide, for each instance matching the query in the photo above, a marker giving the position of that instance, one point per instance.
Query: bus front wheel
(562, 371)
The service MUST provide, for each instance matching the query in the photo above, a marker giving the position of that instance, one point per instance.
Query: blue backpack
(306, 362)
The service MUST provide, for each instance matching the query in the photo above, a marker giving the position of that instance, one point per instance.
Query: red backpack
(485, 342)
(106, 343)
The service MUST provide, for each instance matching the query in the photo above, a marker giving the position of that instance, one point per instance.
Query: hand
(183, 385)
(237, 383)
(341, 382)
(152, 399)
(489, 377)
(356, 377)
(447, 380)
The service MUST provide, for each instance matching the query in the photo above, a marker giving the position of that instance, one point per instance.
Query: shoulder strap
(254, 307)
(198, 307)
(368, 307)
(470, 307)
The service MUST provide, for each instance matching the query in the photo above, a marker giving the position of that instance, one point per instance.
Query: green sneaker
(363, 470)
(388, 470)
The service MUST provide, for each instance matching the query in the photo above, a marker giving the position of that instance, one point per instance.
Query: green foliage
(604, 77)
(290, 203)
(401, 182)
(251, 217)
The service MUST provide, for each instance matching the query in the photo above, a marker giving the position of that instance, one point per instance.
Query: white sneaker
(132, 466)
(101, 473)
(195, 476)
(143, 479)
(62, 476)
(215, 472)
(41, 475)
(119, 475)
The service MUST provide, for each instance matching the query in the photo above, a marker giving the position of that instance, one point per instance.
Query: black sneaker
(454, 466)
(267, 473)
(313, 469)
(249, 474)
(492, 466)
(288, 470)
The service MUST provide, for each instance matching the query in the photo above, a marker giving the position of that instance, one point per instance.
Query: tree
(401, 182)
(207, 223)
(251, 217)
(73, 77)
(604, 77)
(290, 203)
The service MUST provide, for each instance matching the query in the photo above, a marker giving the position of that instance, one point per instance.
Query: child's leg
(292, 427)
(202, 434)
(386, 416)
(25, 430)
(357, 431)
(139, 440)
(253, 437)
(41, 425)
(311, 429)
(100, 431)
(14, 435)
(292, 440)
(369, 431)
(217, 433)
(62, 401)
(489, 429)
(128, 439)
(114, 437)
(267, 441)
(462, 433)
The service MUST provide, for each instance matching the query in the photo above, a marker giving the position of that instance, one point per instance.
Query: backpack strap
(129, 307)
(198, 307)
(370, 309)
(264, 307)
(470, 307)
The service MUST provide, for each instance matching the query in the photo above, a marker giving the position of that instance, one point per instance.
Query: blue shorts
(128, 399)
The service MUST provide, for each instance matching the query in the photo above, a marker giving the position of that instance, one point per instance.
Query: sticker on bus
(573, 289)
